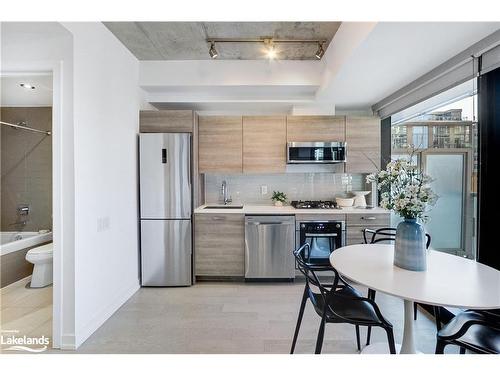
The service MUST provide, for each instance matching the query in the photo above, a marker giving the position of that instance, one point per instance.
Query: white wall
(106, 121)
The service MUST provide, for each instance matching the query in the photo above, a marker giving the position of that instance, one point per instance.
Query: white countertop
(285, 210)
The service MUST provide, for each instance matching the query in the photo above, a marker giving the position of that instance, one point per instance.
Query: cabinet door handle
(218, 218)
(368, 218)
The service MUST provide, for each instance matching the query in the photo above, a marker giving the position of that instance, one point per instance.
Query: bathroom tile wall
(26, 168)
(305, 186)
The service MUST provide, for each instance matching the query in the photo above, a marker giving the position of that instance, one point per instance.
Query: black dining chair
(336, 302)
(384, 235)
(475, 330)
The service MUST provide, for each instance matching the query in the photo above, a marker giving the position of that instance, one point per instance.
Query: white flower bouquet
(405, 189)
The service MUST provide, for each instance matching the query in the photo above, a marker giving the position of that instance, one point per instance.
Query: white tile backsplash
(297, 186)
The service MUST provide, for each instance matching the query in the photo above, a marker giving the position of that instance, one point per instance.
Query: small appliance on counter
(165, 209)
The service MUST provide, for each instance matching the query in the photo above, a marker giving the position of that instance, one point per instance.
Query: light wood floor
(227, 317)
(27, 311)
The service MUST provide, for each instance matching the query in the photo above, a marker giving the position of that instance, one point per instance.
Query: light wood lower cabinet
(219, 245)
(355, 235)
(264, 144)
(363, 144)
(220, 144)
(355, 223)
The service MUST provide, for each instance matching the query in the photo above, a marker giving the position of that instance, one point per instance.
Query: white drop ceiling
(364, 63)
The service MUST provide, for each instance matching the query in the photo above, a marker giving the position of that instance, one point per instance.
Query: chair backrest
(382, 235)
(327, 291)
(310, 271)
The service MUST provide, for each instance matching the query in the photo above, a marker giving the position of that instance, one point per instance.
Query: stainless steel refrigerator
(165, 209)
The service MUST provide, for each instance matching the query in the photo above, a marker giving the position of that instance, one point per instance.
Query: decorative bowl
(344, 202)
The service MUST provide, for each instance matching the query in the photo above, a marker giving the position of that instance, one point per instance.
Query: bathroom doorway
(26, 209)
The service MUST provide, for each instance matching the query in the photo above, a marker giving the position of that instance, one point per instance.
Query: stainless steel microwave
(316, 152)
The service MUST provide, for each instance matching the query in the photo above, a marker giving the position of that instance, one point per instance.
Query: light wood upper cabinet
(264, 144)
(363, 144)
(315, 128)
(219, 245)
(171, 121)
(220, 144)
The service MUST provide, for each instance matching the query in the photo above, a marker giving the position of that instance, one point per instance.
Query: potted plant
(405, 190)
(279, 198)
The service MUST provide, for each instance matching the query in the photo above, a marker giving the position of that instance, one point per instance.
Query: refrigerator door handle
(189, 165)
(164, 155)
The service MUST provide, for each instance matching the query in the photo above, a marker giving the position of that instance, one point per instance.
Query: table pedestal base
(379, 348)
(408, 344)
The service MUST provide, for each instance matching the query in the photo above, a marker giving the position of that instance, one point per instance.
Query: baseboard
(68, 342)
(105, 313)
(15, 284)
(220, 278)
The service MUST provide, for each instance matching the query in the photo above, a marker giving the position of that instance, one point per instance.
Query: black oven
(323, 238)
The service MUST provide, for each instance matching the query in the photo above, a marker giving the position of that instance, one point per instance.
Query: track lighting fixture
(320, 52)
(212, 51)
(271, 51)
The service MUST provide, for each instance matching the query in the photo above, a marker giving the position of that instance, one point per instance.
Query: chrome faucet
(225, 196)
(23, 209)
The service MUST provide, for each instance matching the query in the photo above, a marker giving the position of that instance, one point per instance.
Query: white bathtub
(14, 241)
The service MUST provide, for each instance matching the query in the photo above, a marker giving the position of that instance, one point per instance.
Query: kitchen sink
(229, 206)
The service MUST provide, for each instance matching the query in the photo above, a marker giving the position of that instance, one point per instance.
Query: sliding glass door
(444, 131)
(450, 221)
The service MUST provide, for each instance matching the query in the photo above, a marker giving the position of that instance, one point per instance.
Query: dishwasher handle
(321, 234)
(268, 223)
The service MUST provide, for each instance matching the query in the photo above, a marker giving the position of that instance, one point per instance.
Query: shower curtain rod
(25, 128)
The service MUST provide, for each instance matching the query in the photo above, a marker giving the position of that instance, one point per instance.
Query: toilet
(41, 257)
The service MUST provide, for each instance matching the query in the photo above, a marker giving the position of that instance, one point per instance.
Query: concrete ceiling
(187, 40)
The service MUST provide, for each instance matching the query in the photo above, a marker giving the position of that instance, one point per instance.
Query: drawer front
(219, 245)
(368, 220)
(355, 234)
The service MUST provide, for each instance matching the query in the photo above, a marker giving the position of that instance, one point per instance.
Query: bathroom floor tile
(26, 311)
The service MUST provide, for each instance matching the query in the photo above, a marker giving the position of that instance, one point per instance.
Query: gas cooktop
(314, 204)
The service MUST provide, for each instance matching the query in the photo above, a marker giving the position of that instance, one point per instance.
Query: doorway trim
(55, 70)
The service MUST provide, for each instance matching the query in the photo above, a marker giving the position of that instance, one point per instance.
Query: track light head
(320, 52)
(271, 51)
(212, 51)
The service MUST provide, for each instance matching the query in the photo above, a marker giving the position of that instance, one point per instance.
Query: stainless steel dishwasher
(269, 245)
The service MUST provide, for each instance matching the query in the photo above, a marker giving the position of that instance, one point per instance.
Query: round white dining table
(448, 281)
